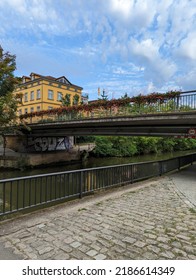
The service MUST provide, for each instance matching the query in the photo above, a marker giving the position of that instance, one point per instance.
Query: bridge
(170, 114)
(167, 124)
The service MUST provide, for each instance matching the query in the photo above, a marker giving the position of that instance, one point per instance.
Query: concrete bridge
(159, 124)
(55, 129)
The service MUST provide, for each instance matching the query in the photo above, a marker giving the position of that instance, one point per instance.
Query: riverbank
(90, 162)
(15, 160)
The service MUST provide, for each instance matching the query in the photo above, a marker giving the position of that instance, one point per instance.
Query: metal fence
(184, 102)
(24, 193)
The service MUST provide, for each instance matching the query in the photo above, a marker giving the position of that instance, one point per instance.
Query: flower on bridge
(107, 104)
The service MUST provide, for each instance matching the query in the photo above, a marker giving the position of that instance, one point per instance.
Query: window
(26, 110)
(26, 97)
(38, 108)
(32, 109)
(20, 112)
(32, 95)
(59, 96)
(50, 94)
(50, 107)
(38, 94)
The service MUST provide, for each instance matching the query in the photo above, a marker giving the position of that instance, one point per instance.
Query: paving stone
(129, 240)
(68, 240)
(179, 253)
(184, 237)
(92, 253)
(154, 249)
(151, 223)
(61, 256)
(66, 248)
(83, 248)
(44, 250)
(139, 244)
(167, 254)
(75, 244)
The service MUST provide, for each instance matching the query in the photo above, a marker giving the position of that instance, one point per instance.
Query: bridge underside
(173, 124)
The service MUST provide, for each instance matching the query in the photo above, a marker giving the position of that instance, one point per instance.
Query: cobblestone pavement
(148, 220)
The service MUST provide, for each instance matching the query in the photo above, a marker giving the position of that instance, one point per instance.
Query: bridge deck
(169, 124)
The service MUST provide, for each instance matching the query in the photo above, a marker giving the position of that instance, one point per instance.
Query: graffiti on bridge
(43, 144)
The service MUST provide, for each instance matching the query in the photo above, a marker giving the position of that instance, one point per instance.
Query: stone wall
(23, 143)
(52, 157)
(37, 159)
(8, 162)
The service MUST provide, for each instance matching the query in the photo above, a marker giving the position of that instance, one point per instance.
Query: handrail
(87, 169)
(154, 103)
(21, 193)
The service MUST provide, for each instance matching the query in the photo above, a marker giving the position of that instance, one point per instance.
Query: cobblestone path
(148, 220)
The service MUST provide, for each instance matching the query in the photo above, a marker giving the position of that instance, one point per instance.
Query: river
(89, 163)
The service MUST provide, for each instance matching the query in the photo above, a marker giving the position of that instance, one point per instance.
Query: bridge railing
(26, 193)
(186, 101)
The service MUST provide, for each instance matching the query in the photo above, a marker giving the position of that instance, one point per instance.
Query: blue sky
(122, 46)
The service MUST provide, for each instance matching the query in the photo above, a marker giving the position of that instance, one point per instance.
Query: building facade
(37, 93)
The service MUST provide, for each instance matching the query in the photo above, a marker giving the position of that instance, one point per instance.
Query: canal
(89, 163)
(37, 191)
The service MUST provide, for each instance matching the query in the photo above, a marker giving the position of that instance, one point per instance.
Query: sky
(119, 46)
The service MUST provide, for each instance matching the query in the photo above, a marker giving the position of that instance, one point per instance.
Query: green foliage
(120, 146)
(103, 147)
(104, 96)
(184, 144)
(66, 100)
(7, 68)
(8, 103)
(76, 99)
(125, 96)
(115, 146)
(8, 108)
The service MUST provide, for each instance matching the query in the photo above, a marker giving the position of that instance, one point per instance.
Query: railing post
(160, 168)
(132, 174)
(179, 164)
(81, 184)
(3, 210)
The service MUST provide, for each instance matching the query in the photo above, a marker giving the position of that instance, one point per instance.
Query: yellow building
(39, 93)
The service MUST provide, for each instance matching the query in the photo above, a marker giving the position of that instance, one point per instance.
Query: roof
(67, 82)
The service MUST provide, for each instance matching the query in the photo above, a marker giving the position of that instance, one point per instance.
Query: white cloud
(187, 81)
(122, 37)
(187, 47)
(123, 7)
(145, 49)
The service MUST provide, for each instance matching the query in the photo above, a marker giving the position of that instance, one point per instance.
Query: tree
(125, 96)
(76, 99)
(8, 103)
(104, 96)
(66, 100)
(7, 68)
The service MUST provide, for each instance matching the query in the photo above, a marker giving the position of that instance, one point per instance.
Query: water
(90, 163)
(26, 193)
